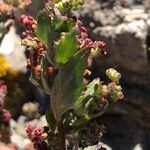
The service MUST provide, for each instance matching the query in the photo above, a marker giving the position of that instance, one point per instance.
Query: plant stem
(61, 135)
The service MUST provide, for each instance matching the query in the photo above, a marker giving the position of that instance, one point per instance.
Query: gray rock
(147, 5)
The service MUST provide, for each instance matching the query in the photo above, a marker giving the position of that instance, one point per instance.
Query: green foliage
(44, 32)
(68, 84)
(65, 51)
(51, 119)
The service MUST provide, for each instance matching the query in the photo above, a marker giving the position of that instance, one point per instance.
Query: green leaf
(51, 119)
(45, 32)
(84, 105)
(69, 25)
(58, 23)
(49, 30)
(44, 81)
(66, 48)
(88, 94)
(44, 29)
(63, 26)
(68, 84)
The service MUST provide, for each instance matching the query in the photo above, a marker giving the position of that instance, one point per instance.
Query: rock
(134, 14)
(147, 5)
(91, 12)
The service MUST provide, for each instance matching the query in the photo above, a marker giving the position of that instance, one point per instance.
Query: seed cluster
(5, 115)
(3, 92)
(84, 42)
(39, 136)
(36, 49)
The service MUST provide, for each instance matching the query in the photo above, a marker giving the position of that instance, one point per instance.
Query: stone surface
(147, 5)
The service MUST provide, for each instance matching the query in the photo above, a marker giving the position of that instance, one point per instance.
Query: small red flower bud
(30, 128)
(6, 116)
(38, 131)
(37, 69)
(102, 52)
(40, 45)
(84, 35)
(79, 23)
(50, 70)
(101, 44)
(29, 66)
(30, 18)
(83, 29)
(21, 18)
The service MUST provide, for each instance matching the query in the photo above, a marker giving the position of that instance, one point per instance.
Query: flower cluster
(84, 42)
(25, 3)
(113, 75)
(36, 49)
(39, 136)
(18, 3)
(29, 22)
(115, 90)
(6, 15)
(5, 9)
(66, 5)
(30, 109)
(3, 92)
(5, 115)
(99, 93)
(32, 43)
